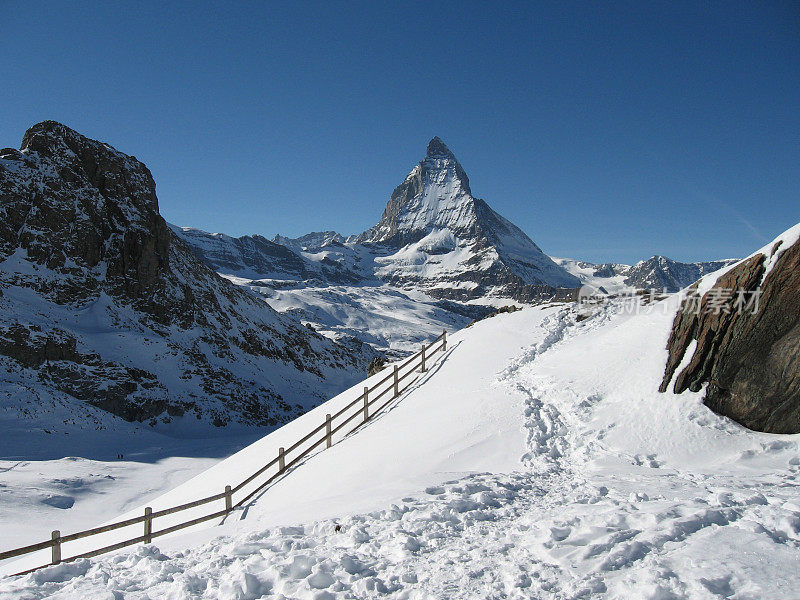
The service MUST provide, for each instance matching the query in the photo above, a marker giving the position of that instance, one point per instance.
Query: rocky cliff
(745, 329)
(103, 305)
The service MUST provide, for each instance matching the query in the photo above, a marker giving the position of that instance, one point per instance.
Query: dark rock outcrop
(749, 358)
(376, 366)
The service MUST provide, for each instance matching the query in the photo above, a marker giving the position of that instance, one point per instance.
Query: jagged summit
(434, 215)
(436, 147)
(434, 195)
(439, 158)
(44, 130)
(52, 139)
(113, 174)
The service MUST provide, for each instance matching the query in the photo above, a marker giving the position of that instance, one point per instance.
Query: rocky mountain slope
(104, 309)
(664, 274)
(656, 273)
(739, 335)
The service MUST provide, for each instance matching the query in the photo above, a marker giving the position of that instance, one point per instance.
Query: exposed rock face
(376, 366)
(251, 256)
(113, 223)
(101, 303)
(311, 242)
(749, 359)
(311, 258)
(409, 214)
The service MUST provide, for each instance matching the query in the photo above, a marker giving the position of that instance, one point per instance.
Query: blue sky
(607, 131)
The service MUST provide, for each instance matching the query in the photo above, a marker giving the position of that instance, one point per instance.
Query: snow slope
(75, 493)
(537, 460)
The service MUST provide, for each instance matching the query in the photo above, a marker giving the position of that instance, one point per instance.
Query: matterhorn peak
(432, 214)
(437, 148)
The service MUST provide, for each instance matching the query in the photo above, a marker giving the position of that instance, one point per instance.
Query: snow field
(553, 470)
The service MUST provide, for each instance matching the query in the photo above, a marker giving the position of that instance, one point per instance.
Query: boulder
(748, 357)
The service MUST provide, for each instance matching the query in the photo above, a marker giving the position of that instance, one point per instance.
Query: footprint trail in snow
(622, 493)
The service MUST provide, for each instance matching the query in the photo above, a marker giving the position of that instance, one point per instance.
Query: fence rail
(361, 407)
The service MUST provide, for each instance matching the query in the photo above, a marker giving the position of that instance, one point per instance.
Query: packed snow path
(621, 492)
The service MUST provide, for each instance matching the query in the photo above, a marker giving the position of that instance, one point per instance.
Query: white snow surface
(536, 459)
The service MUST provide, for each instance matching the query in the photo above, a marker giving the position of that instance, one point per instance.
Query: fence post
(423, 359)
(444, 340)
(327, 431)
(148, 525)
(396, 383)
(56, 537)
(366, 404)
(228, 499)
(281, 460)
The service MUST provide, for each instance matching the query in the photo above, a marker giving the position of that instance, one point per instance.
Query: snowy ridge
(771, 252)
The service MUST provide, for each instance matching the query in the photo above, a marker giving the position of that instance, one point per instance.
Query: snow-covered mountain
(434, 237)
(436, 251)
(250, 256)
(435, 260)
(330, 287)
(442, 240)
(656, 273)
(104, 310)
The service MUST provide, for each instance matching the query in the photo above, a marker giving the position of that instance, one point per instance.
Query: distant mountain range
(437, 258)
(434, 237)
(658, 273)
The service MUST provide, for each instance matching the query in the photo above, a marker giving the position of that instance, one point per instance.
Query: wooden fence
(361, 410)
